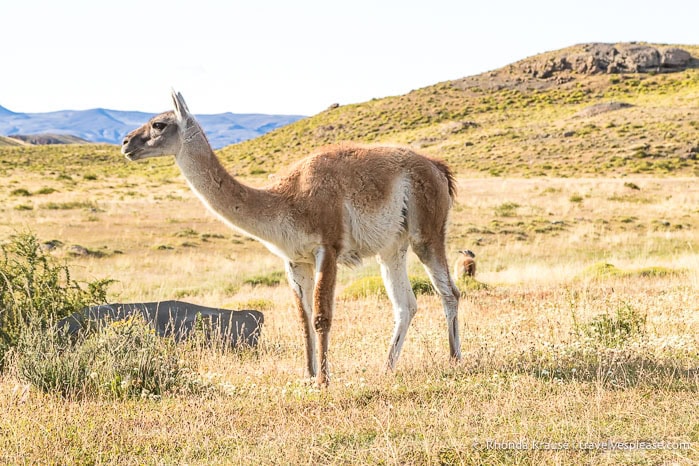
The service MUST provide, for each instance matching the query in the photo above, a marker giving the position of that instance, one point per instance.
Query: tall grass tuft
(124, 359)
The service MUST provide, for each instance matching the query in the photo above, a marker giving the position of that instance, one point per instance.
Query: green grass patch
(187, 233)
(373, 286)
(258, 304)
(46, 191)
(71, 205)
(507, 209)
(636, 199)
(469, 284)
(20, 192)
(603, 270)
(269, 279)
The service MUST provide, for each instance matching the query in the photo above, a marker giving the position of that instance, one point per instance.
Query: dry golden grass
(529, 374)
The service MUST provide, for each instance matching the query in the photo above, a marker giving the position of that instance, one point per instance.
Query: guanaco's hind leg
(434, 259)
(395, 278)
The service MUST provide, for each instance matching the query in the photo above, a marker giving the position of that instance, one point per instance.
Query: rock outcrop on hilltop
(559, 67)
(608, 58)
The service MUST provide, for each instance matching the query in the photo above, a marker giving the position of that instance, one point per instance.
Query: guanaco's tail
(444, 168)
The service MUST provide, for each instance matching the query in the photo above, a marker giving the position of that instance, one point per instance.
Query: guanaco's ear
(181, 110)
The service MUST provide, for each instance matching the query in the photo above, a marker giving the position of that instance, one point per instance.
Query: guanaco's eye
(159, 125)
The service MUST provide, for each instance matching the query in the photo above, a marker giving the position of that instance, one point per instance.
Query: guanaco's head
(163, 134)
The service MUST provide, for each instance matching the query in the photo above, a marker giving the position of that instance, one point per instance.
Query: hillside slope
(5, 141)
(47, 139)
(584, 110)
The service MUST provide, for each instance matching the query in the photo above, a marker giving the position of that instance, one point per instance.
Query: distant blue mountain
(5, 112)
(110, 126)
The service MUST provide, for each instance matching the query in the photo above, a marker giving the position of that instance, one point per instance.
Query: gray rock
(51, 245)
(175, 318)
(77, 250)
(597, 58)
(602, 107)
(638, 58)
(674, 57)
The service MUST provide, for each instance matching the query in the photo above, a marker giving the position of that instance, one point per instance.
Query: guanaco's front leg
(323, 303)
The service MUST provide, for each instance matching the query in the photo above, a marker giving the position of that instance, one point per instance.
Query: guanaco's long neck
(256, 212)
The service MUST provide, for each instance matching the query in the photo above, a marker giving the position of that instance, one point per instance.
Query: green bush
(614, 330)
(421, 285)
(36, 290)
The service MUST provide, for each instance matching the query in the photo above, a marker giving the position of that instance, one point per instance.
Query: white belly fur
(370, 229)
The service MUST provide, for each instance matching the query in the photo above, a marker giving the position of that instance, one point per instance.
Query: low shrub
(613, 329)
(421, 285)
(20, 192)
(36, 290)
(507, 209)
(373, 286)
(601, 269)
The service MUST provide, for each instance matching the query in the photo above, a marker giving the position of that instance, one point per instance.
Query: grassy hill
(553, 114)
(526, 119)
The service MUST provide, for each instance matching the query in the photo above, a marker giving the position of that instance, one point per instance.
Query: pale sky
(293, 56)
